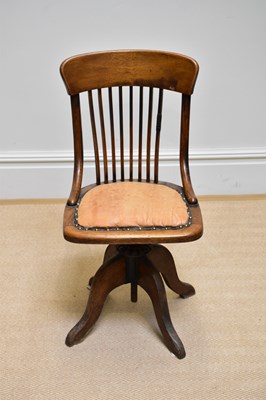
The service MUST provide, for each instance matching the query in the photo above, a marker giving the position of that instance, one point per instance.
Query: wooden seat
(128, 207)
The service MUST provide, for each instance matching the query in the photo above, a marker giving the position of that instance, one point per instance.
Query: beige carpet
(43, 294)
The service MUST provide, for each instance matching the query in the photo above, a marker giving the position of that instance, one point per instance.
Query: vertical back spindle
(140, 133)
(121, 133)
(105, 161)
(131, 133)
(157, 139)
(95, 141)
(112, 130)
(148, 156)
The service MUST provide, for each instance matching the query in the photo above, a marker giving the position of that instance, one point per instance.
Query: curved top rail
(160, 69)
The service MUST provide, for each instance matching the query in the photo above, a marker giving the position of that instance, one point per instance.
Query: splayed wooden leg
(110, 252)
(110, 275)
(150, 280)
(140, 265)
(163, 261)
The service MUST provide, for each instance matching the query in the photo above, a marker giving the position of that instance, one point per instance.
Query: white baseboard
(213, 171)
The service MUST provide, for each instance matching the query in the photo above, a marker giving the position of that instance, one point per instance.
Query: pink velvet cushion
(132, 204)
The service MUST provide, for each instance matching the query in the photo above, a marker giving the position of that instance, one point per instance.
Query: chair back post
(184, 148)
(78, 151)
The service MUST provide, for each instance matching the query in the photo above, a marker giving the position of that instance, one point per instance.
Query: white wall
(226, 37)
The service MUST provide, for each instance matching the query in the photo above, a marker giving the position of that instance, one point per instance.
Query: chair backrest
(122, 78)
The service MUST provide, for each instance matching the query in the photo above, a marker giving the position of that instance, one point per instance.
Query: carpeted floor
(43, 294)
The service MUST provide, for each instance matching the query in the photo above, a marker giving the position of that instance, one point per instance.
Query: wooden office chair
(132, 214)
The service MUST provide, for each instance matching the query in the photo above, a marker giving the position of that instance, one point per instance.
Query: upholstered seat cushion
(132, 205)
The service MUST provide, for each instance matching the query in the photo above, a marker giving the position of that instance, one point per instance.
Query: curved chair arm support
(184, 145)
(78, 151)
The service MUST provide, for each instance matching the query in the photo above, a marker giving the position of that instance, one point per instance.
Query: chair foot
(163, 261)
(110, 275)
